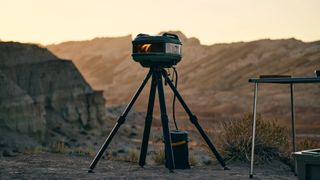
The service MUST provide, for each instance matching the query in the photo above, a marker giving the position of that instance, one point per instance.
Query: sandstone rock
(18, 111)
(39, 92)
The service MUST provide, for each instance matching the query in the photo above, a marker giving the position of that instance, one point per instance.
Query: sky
(211, 21)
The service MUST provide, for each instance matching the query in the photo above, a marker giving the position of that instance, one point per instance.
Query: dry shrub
(61, 147)
(192, 160)
(58, 147)
(79, 151)
(270, 139)
(308, 143)
(159, 156)
(132, 156)
(34, 150)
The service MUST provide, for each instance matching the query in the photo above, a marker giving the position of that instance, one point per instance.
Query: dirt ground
(64, 166)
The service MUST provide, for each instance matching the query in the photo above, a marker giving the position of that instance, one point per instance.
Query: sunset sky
(212, 21)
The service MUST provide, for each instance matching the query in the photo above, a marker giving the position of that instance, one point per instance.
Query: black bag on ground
(179, 140)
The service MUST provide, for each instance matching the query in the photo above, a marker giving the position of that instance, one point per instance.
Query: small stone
(121, 151)
(132, 134)
(7, 153)
(207, 162)
(83, 132)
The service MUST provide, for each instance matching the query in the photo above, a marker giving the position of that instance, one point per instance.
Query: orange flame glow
(146, 47)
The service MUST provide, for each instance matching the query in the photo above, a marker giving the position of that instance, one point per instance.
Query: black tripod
(157, 73)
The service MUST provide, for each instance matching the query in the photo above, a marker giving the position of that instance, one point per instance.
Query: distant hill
(213, 79)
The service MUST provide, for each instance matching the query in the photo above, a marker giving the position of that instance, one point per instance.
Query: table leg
(293, 121)
(255, 96)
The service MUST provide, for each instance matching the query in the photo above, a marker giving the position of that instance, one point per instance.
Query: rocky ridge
(213, 78)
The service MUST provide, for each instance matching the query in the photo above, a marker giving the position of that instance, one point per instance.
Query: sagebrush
(271, 139)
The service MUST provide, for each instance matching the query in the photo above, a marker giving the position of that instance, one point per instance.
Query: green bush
(270, 139)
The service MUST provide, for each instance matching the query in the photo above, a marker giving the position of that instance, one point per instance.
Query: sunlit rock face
(213, 79)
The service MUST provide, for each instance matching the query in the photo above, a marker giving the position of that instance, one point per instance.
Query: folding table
(277, 80)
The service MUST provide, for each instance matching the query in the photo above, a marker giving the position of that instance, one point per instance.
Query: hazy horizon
(133, 36)
(211, 21)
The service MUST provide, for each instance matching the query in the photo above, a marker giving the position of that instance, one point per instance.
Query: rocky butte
(43, 98)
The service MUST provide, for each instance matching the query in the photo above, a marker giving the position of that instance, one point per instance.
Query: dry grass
(58, 147)
(35, 150)
(131, 156)
(270, 139)
(192, 160)
(82, 152)
(308, 143)
(159, 156)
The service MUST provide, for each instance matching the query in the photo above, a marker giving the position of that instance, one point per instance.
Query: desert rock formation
(40, 95)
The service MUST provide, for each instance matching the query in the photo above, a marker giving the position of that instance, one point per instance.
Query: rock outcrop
(40, 95)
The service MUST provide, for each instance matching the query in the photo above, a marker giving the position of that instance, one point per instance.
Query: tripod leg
(120, 121)
(165, 125)
(194, 120)
(146, 133)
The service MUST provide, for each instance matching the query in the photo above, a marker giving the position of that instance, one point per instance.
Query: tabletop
(285, 80)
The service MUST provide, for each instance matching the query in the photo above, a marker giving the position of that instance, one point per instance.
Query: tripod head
(157, 51)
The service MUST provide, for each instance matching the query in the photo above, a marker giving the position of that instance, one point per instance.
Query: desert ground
(64, 166)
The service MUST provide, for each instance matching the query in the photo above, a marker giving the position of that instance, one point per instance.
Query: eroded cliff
(43, 98)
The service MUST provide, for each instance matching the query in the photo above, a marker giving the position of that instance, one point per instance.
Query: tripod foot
(226, 168)
(251, 176)
(90, 171)
(171, 171)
